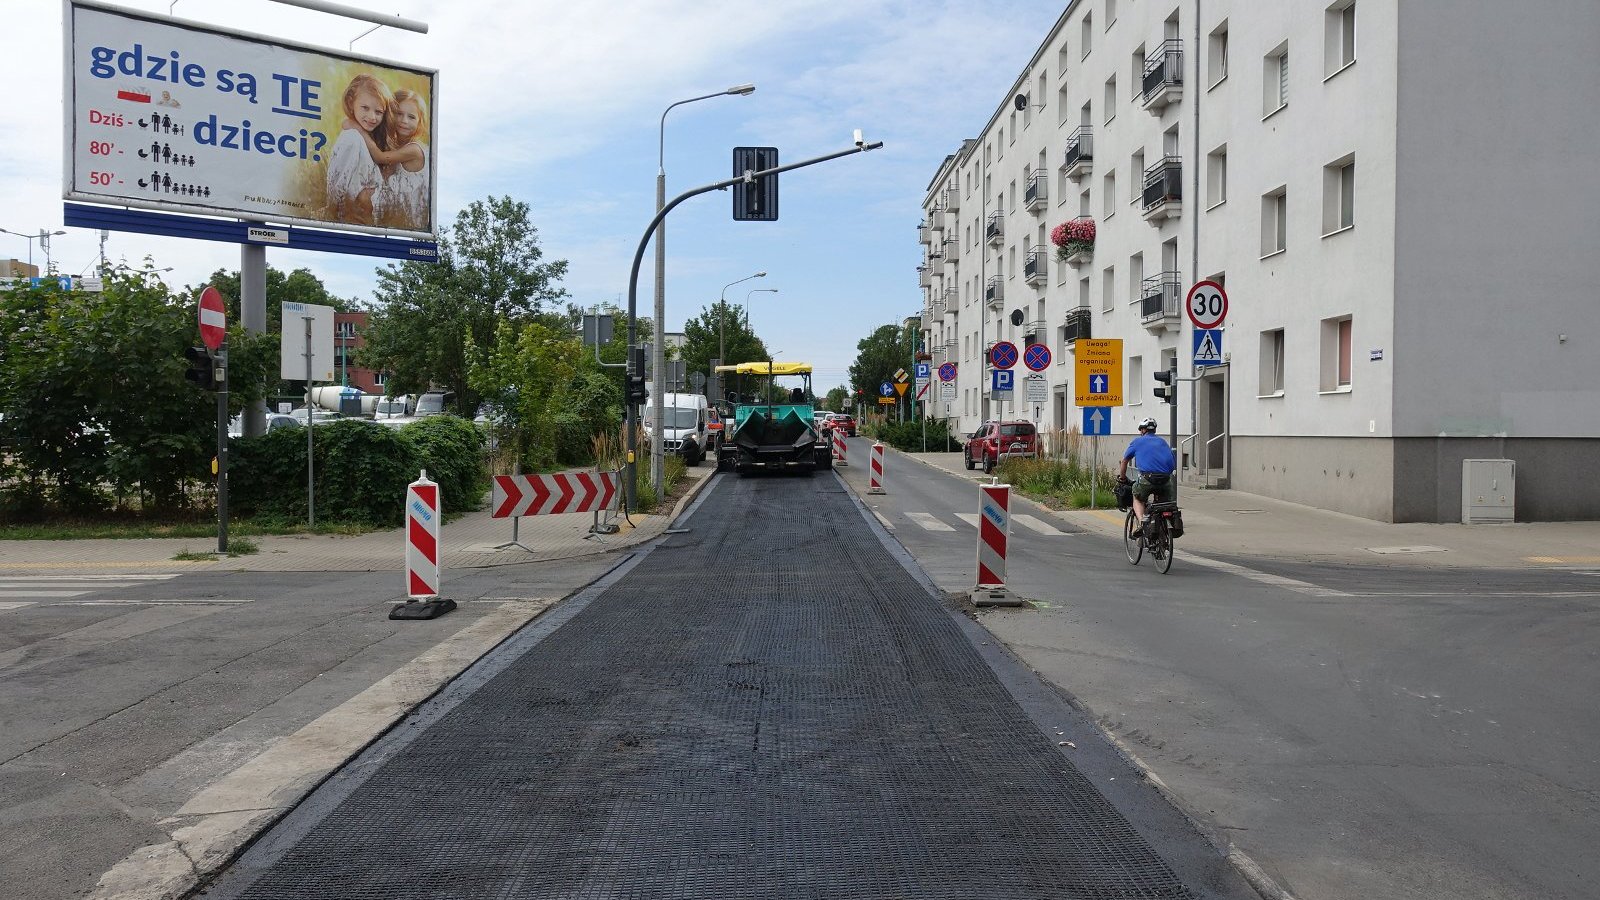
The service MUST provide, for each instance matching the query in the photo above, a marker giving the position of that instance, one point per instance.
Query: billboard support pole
(253, 313)
(311, 481)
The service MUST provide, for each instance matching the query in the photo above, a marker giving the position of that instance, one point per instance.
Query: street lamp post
(658, 356)
(722, 308)
(747, 297)
(43, 237)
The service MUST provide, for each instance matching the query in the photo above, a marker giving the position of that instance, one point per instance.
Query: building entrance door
(1211, 425)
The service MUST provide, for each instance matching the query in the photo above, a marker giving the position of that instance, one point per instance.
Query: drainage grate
(769, 707)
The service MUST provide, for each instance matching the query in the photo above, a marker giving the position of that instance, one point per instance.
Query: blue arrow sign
(886, 389)
(1099, 383)
(1096, 420)
(1003, 380)
(1208, 346)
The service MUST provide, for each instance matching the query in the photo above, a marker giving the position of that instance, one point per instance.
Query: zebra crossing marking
(928, 521)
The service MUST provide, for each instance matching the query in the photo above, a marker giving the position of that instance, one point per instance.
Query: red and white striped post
(422, 553)
(838, 448)
(876, 480)
(994, 526)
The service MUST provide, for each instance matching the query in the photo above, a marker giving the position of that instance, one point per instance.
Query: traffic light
(201, 370)
(638, 391)
(756, 201)
(1167, 388)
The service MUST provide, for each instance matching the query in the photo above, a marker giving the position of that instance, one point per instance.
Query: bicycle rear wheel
(1131, 539)
(1161, 545)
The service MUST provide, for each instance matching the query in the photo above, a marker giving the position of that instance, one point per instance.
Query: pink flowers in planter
(1073, 237)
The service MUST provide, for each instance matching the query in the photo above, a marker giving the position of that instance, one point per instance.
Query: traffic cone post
(422, 554)
(994, 526)
(876, 469)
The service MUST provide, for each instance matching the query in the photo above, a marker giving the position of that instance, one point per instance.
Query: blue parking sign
(1004, 379)
(923, 370)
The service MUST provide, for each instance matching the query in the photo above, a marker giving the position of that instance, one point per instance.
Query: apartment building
(1398, 197)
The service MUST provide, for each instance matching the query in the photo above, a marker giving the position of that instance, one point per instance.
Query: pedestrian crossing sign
(1207, 347)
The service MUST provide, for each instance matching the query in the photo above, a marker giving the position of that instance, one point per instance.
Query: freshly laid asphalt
(772, 703)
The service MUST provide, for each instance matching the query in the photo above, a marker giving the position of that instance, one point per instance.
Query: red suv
(844, 423)
(992, 439)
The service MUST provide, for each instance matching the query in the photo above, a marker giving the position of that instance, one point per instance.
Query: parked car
(844, 423)
(714, 432)
(995, 440)
(275, 421)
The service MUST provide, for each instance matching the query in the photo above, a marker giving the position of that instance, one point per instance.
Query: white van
(684, 420)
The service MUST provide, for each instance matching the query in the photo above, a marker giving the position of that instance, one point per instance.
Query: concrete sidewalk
(469, 542)
(1234, 523)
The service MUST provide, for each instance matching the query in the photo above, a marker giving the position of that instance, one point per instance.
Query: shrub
(451, 449)
(362, 469)
(1056, 482)
(908, 436)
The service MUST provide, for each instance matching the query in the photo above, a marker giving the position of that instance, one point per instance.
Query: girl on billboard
(354, 178)
(402, 201)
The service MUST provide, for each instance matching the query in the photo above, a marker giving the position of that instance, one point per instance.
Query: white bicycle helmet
(1147, 424)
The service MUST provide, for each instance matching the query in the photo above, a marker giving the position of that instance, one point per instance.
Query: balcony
(924, 277)
(1076, 326)
(1033, 197)
(937, 308)
(952, 199)
(1080, 154)
(994, 291)
(924, 234)
(952, 299)
(1163, 190)
(1036, 268)
(1160, 306)
(936, 254)
(1034, 328)
(936, 222)
(1162, 84)
(952, 250)
(994, 231)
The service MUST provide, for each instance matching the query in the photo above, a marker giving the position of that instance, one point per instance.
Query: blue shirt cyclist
(1153, 458)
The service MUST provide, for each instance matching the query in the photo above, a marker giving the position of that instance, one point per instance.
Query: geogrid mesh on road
(767, 706)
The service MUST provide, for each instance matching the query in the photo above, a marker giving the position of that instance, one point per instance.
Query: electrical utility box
(1488, 491)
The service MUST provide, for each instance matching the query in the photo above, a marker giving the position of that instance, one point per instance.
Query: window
(380, 378)
(1062, 107)
(1136, 166)
(1109, 192)
(1111, 13)
(1135, 279)
(1339, 195)
(1271, 378)
(1088, 34)
(1275, 80)
(1339, 42)
(1111, 99)
(1217, 54)
(1001, 153)
(1083, 292)
(1108, 288)
(1083, 203)
(346, 329)
(1136, 386)
(1217, 176)
(1335, 355)
(1136, 68)
(1274, 222)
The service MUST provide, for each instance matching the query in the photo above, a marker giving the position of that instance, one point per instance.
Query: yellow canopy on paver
(765, 368)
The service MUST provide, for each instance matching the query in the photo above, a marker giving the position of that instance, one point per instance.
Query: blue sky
(558, 105)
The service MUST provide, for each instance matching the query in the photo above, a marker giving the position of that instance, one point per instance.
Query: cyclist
(1153, 458)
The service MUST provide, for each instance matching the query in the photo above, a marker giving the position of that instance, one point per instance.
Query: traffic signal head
(1166, 386)
(201, 370)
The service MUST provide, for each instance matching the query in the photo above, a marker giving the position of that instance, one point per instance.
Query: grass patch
(78, 529)
(237, 546)
(1057, 483)
(193, 556)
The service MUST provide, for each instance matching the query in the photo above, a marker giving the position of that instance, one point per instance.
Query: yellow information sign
(900, 388)
(1098, 372)
(885, 401)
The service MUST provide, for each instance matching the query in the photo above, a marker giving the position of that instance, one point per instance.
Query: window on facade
(1088, 34)
(1136, 68)
(1108, 191)
(1111, 99)
(1335, 354)
(1217, 54)
(1063, 110)
(1135, 278)
(1001, 144)
(1083, 203)
(1108, 288)
(1083, 292)
(1275, 80)
(1274, 221)
(1217, 176)
(1135, 384)
(1271, 379)
(1339, 195)
(1111, 13)
(1339, 47)
(1136, 166)
(380, 378)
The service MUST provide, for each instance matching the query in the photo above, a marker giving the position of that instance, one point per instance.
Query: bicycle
(1165, 526)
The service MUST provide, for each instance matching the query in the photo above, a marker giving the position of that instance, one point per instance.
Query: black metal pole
(221, 370)
(1176, 469)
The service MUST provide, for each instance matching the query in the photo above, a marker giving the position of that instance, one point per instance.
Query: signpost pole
(311, 481)
(1094, 471)
(221, 367)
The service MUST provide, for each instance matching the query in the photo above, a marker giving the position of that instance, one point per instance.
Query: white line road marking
(161, 601)
(22, 593)
(1040, 525)
(11, 578)
(969, 518)
(63, 587)
(1302, 587)
(18, 605)
(927, 521)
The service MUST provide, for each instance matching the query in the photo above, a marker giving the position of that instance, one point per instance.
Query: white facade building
(1400, 197)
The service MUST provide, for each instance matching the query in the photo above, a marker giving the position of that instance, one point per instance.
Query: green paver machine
(768, 410)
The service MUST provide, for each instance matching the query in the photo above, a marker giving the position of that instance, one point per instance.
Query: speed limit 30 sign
(1207, 305)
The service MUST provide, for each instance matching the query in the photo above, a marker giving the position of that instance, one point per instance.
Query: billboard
(175, 115)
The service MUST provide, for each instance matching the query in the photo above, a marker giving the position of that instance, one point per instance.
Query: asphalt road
(1357, 731)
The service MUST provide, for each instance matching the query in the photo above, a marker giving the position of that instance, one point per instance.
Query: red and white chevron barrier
(876, 480)
(423, 506)
(838, 449)
(544, 495)
(994, 526)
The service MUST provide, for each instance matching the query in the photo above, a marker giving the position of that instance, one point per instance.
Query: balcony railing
(1163, 75)
(1163, 187)
(1076, 325)
(924, 277)
(1033, 197)
(1080, 152)
(952, 249)
(924, 234)
(994, 230)
(1161, 297)
(1034, 327)
(994, 290)
(1036, 267)
(952, 299)
(936, 219)
(952, 199)
(936, 254)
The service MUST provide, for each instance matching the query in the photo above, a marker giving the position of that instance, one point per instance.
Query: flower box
(1074, 240)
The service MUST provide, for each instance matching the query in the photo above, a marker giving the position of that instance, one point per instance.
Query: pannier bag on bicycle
(1124, 494)
(1176, 525)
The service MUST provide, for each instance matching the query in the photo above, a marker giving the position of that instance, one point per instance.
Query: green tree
(704, 333)
(834, 402)
(298, 286)
(525, 374)
(878, 355)
(488, 274)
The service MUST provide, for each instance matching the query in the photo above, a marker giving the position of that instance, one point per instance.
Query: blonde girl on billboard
(403, 198)
(354, 178)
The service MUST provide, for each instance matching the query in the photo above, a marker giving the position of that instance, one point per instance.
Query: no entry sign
(213, 318)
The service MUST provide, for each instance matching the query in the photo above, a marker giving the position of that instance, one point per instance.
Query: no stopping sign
(1206, 304)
